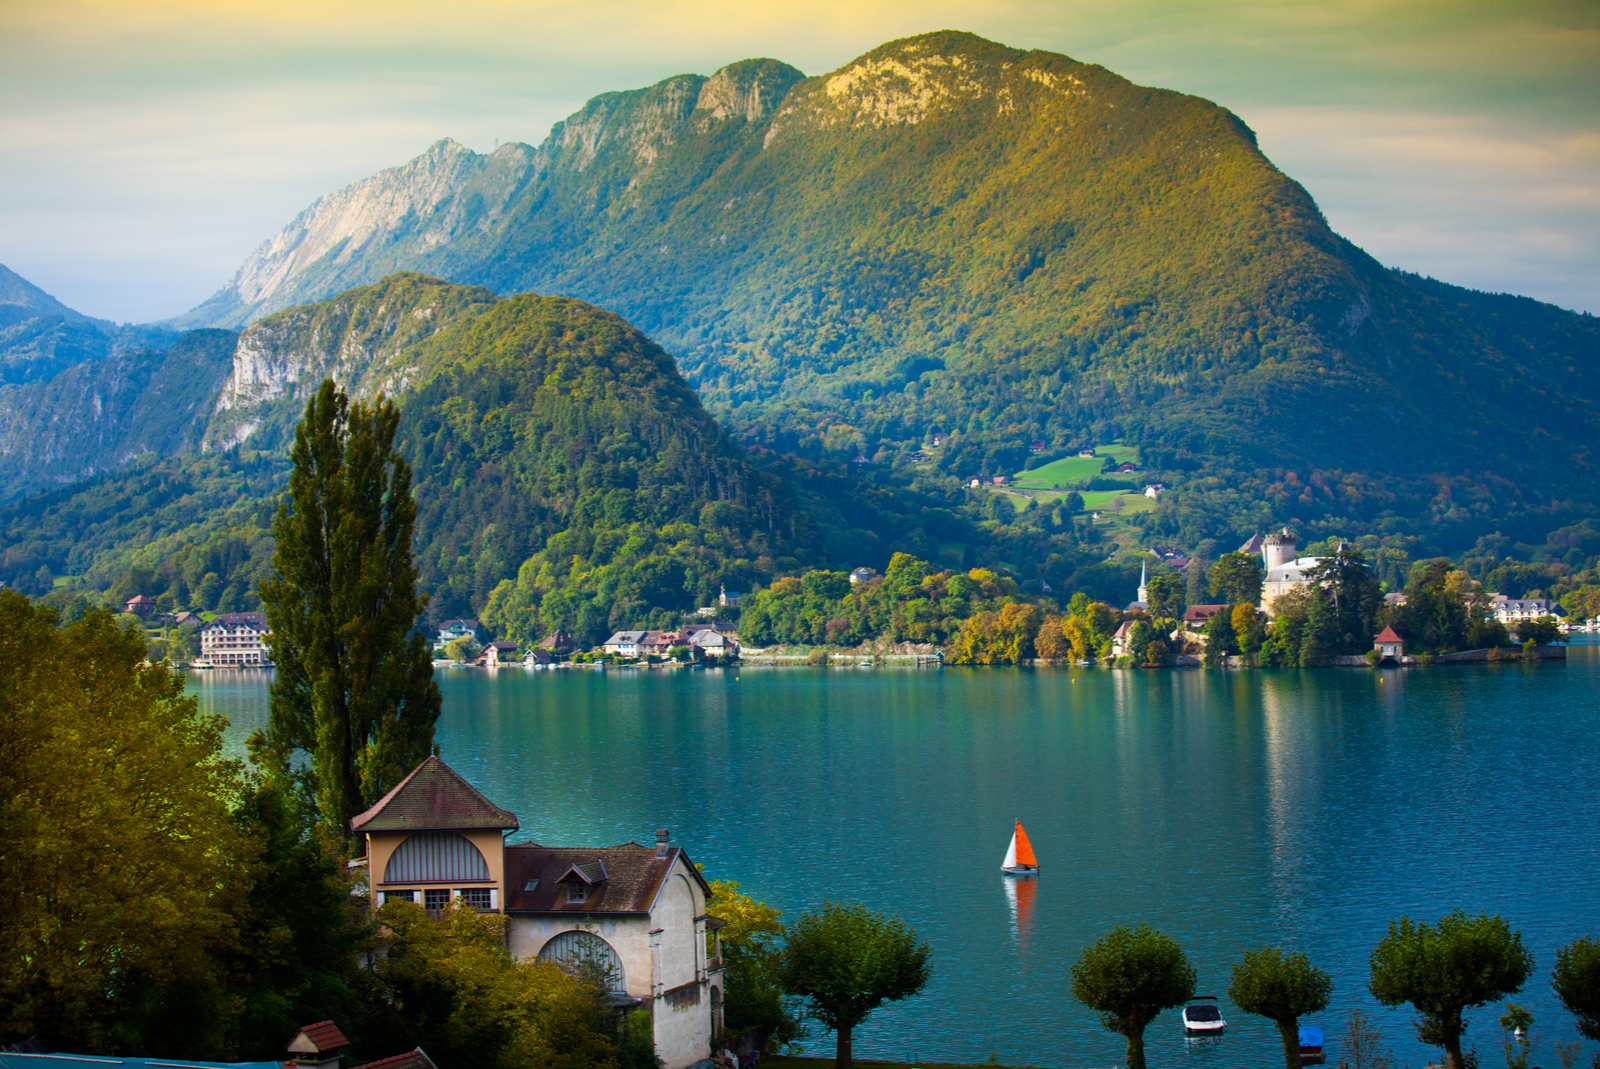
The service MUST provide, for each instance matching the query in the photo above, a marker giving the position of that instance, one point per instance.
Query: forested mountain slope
(947, 234)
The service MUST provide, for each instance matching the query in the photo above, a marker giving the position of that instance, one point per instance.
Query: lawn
(1073, 469)
(1092, 499)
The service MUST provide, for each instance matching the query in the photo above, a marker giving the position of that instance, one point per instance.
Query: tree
(1362, 1046)
(1128, 978)
(847, 961)
(354, 687)
(751, 957)
(1248, 630)
(1220, 640)
(1576, 979)
(1282, 988)
(1236, 578)
(459, 649)
(1543, 631)
(1444, 969)
(116, 847)
(1165, 596)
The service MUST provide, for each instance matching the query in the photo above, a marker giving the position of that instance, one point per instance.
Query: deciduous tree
(847, 961)
(1128, 978)
(1444, 969)
(1237, 577)
(1576, 979)
(354, 688)
(1282, 988)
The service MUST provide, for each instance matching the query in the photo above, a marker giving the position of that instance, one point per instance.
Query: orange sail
(1025, 848)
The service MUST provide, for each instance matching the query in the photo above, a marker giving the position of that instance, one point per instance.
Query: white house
(625, 643)
(236, 639)
(713, 643)
(864, 574)
(636, 915)
(451, 630)
(1511, 610)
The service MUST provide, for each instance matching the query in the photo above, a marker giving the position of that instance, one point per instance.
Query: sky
(150, 145)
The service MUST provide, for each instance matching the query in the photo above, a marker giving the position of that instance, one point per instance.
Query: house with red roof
(632, 917)
(1389, 645)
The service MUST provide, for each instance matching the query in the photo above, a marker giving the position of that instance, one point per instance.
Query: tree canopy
(1128, 977)
(1576, 979)
(1282, 988)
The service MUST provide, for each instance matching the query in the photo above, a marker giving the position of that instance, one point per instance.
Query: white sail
(1011, 854)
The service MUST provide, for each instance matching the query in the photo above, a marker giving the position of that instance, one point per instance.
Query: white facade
(236, 639)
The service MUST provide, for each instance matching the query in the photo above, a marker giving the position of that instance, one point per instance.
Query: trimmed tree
(1576, 979)
(1128, 978)
(847, 961)
(354, 687)
(1444, 969)
(1282, 988)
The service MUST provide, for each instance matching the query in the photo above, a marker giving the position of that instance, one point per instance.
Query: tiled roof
(1387, 635)
(235, 619)
(1201, 612)
(433, 797)
(320, 1038)
(414, 1059)
(633, 876)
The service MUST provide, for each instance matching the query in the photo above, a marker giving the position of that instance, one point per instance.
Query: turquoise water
(1297, 808)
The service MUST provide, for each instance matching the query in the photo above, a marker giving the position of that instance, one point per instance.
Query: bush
(817, 658)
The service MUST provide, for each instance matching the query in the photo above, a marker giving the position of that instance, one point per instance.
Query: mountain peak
(752, 88)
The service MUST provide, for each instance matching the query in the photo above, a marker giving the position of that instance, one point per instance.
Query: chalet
(1087, 453)
(1037, 447)
(140, 606)
(495, 654)
(1395, 600)
(625, 643)
(1154, 489)
(863, 575)
(1127, 467)
(537, 655)
(558, 642)
(1000, 480)
(630, 917)
(236, 640)
(187, 619)
(1390, 646)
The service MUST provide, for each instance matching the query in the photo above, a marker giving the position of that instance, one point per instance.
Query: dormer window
(577, 891)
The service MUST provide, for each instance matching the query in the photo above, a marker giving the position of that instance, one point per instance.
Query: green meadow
(1069, 470)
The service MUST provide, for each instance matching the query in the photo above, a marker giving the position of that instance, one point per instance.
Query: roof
(457, 625)
(1252, 546)
(412, 1059)
(1201, 612)
(708, 636)
(141, 599)
(633, 876)
(1124, 629)
(1388, 635)
(86, 1061)
(556, 639)
(319, 1038)
(239, 619)
(433, 797)
(625, 638)
(501, 646)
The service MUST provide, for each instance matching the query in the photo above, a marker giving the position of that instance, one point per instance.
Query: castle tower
(1278, 549)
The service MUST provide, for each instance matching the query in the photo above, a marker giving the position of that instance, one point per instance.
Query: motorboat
(1019, 859)
(1202, 1018)
(1311, 1040)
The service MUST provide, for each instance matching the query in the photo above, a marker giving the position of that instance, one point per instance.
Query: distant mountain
(40, 336)
(951, 235)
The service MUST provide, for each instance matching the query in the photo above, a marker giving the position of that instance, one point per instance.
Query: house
(859, 458)
(1000, 480)
(537, 655)
(863, 575)
(1154, 490)
(187, 619)
(1119, 640)
(1127, 467)
(1390, 646)
(976, 482)
(236, 639)
(728, 599)
(1037, 447)
(451, 630)
(495, 654)
(712, 643)
(1086, 453)
(558, 642)
(1195, 617)
(1510, 610)
(632, 917)
(1396, 600)
(723, 626)
(140, 606)
(940, 439)
(316, 1046)
(624, 643)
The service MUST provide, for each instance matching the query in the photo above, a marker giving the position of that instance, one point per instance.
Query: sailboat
(1019, 855)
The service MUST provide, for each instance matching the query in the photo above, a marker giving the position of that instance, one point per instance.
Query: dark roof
(324, 1036)
(1201, 612)
(502, 646)
(633, 876)
(413, 1059)
(433, 797)
(555, 640)
(234, 619)
(1388, 635)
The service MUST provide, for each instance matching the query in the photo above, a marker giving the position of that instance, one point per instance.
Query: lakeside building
(1512, 610)
(235, 640)
(451, 630)
(638, 913)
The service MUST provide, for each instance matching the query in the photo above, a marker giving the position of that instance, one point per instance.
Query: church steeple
(1144, 598)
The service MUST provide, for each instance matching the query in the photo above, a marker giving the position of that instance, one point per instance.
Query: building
(940, 439)
(316, 1046)
(625, 643)
(451, 630)
(140, 606)
(1285, 571)
(1119, 641)
(1037, 447)
(863, 575)
(558, 642)
(859, 458)
(1086, 453)
(1511, 610)
(714, 644)
(1390, 646)
(236, 639)
(1196, 617)
(658, 643)
(1000, 480)
(1395, 601)
(1142, 602)
(495, 654)
(728, 599)
(633, 916)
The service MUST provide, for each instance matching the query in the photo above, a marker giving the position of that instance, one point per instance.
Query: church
(631, 917)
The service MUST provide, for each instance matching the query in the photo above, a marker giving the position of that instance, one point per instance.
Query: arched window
(589, 958)
(435, 857)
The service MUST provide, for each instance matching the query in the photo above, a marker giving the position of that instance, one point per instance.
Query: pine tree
(354, 687)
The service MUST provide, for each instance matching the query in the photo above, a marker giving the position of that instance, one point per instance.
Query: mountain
(40, 336)
(950, 235)
(566, 475)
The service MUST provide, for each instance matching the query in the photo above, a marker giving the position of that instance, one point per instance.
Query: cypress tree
(354, 687)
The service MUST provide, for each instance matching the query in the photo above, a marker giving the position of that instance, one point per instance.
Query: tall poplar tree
(354, 687)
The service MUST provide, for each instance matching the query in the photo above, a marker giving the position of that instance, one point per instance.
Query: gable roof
(1388, 635)
(411, 1059)
(318, 1038)
(433, 797)
(633, 877)
(1201, 612)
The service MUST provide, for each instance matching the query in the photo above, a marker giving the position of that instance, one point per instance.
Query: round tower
(1278, 549)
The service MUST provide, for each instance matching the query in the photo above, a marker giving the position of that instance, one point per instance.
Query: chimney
(663, 836)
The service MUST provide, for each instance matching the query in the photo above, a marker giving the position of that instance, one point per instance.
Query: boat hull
(1020, 870)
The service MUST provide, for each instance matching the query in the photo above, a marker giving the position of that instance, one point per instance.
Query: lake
(1230, 809)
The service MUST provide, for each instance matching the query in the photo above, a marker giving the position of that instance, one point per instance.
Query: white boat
(1202, 1018)
(1019, 860)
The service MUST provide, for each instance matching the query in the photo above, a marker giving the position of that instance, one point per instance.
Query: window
(577, 891)
(436, 898)
(399, 896)
(587, 957)
(479, 898)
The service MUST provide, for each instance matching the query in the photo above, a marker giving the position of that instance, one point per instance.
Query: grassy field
(1073, 469)
(1093, 500)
